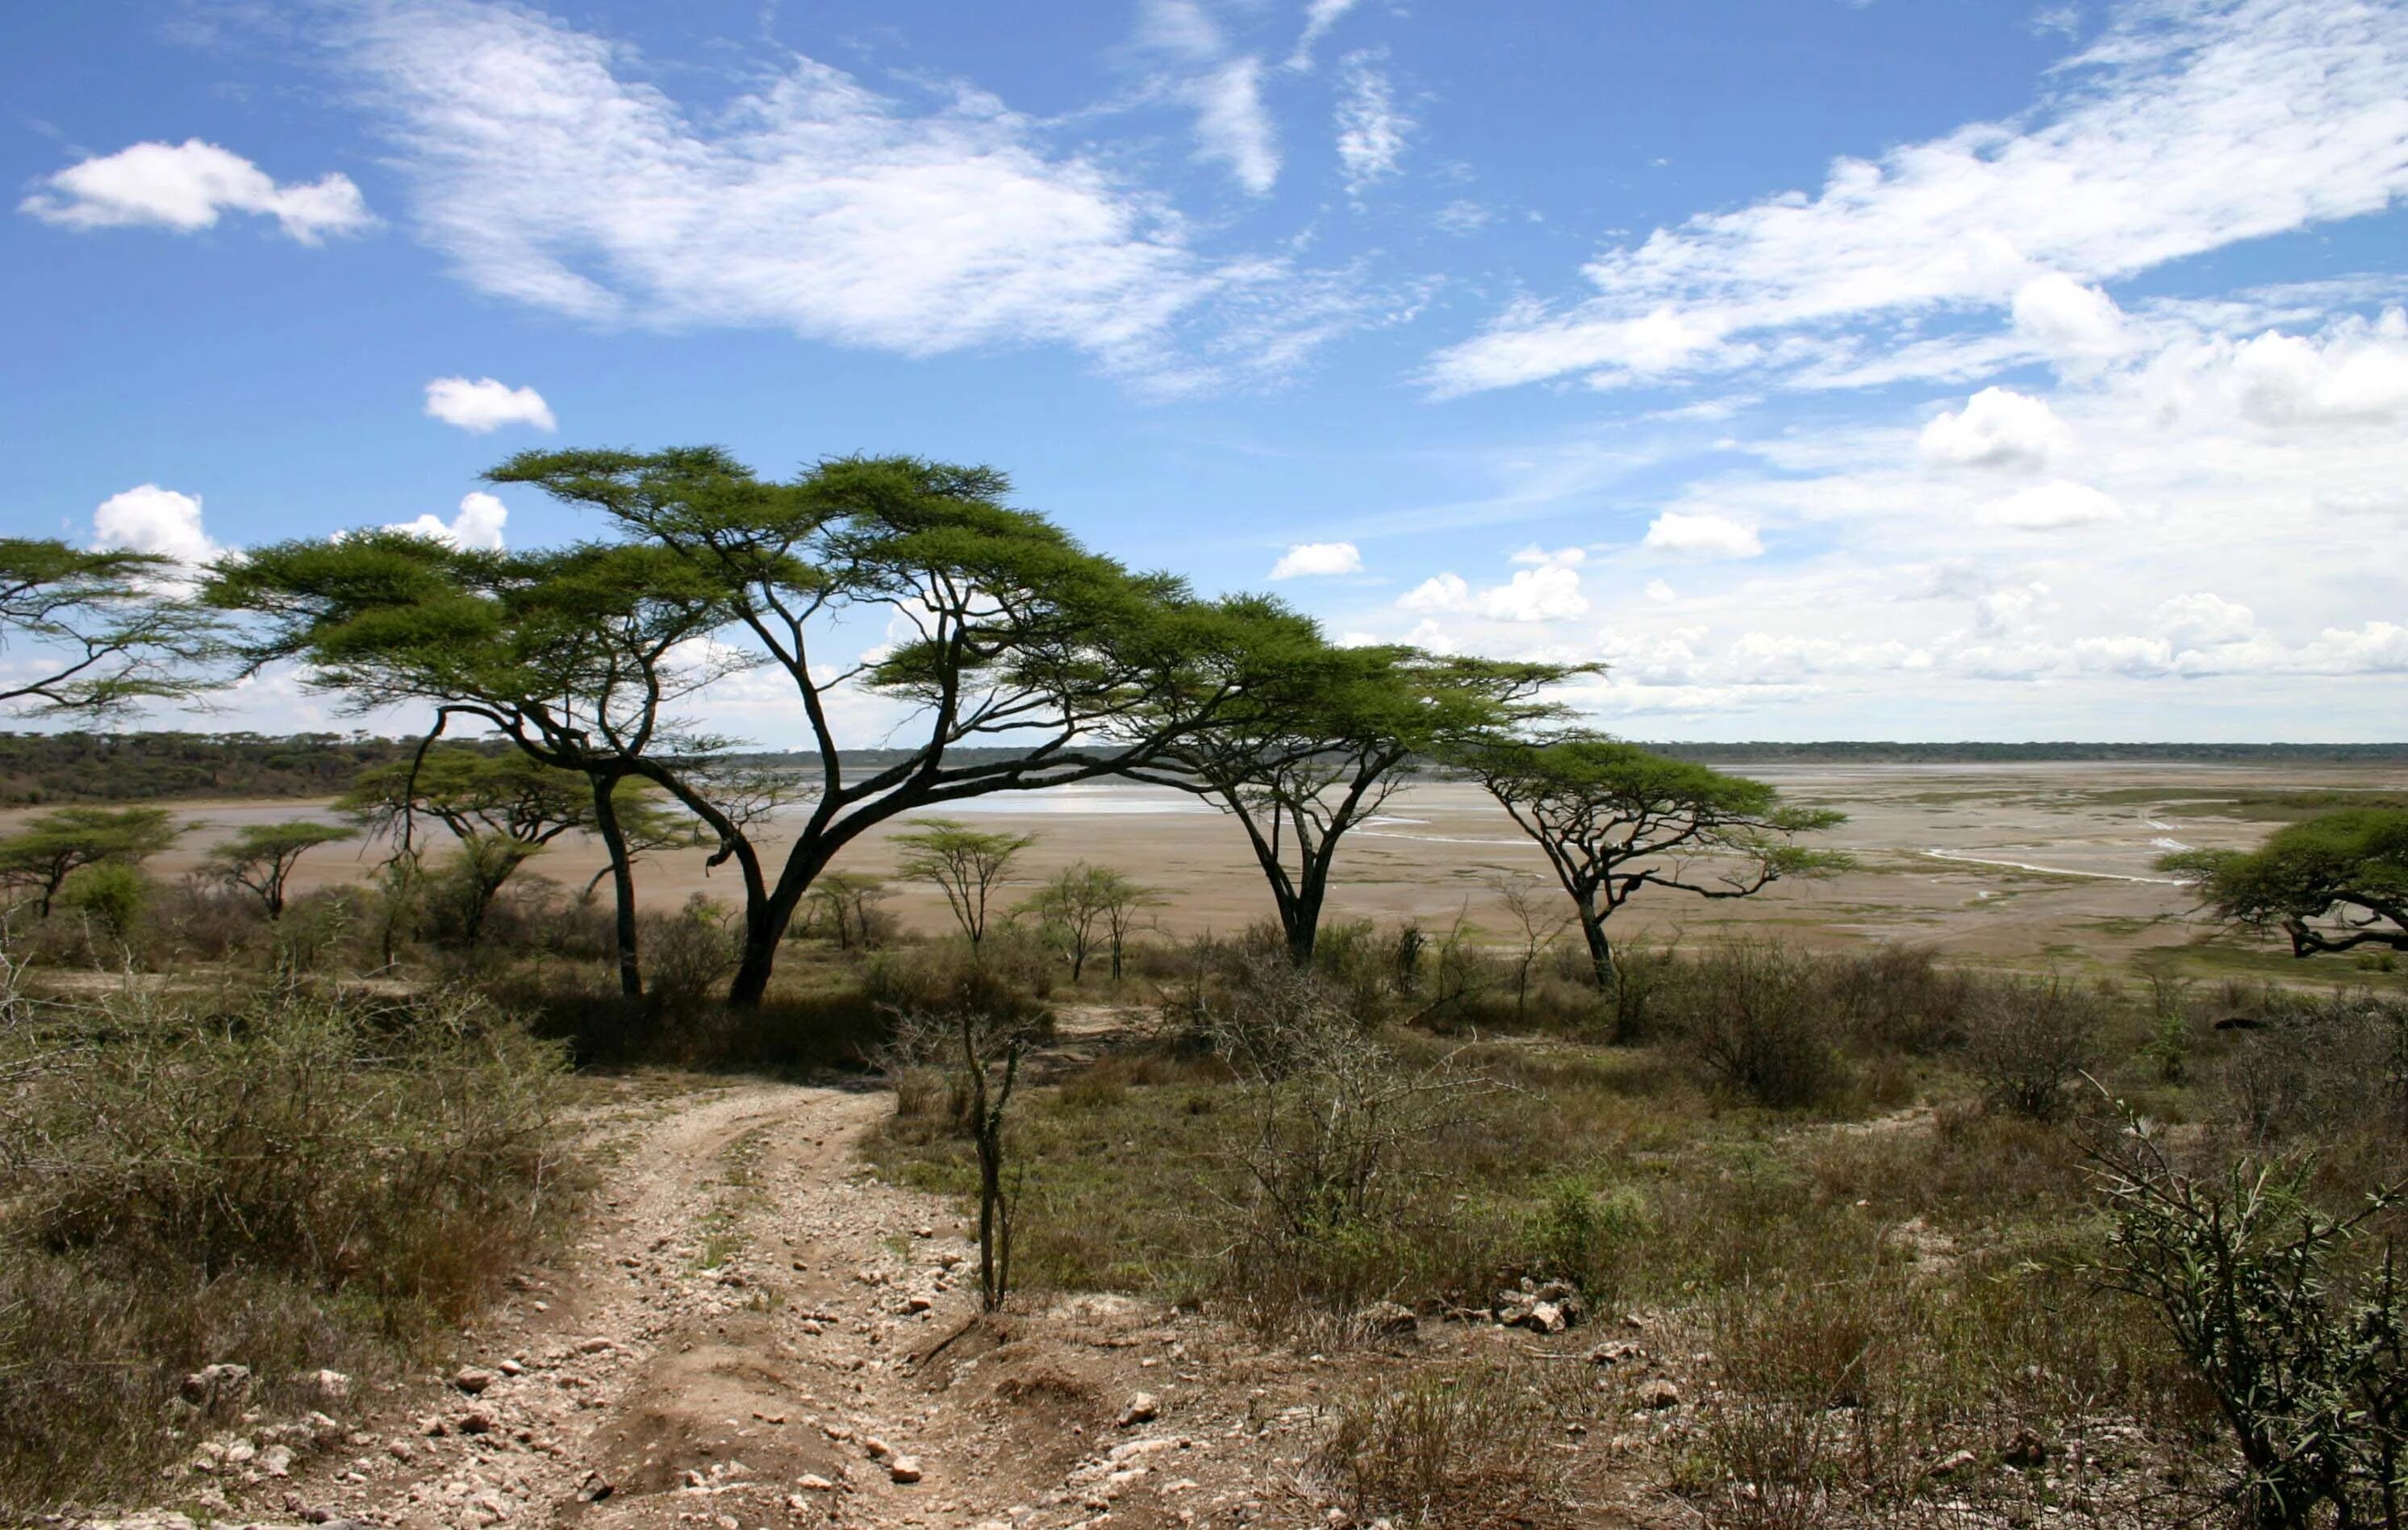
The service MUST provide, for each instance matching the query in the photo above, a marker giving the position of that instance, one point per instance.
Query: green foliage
(1614, 819)
(98, 633)
(1085, 907)
(55, 845)
(967, 864)
(2309, 1372)
(2332, 883)
(260, 858)
(120, 767)
(111, 893)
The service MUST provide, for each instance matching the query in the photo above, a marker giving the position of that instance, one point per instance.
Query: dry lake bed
(2021, 864)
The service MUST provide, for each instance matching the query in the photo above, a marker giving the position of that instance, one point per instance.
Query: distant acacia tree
(2332, 883)
(1614, 819)
(1012, 635)
(847, 898)
(1093, 907)
(105, 633)
(967, 864)
(1319, 745)
(260, 858)
(56, 844)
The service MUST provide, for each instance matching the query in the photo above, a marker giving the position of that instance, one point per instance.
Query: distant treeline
(46, 768)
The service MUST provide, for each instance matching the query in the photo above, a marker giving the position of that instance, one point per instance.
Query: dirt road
(755, 1332)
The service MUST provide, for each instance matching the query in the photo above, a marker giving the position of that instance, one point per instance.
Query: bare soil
(753, 1332)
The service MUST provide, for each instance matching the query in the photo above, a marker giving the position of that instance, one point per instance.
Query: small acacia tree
(56, 844)
(1614, 819)
(260, 858)
(2333, 883)
(966, 865)
(847, 899)
(1092, 908)
(1326, 736)
(103, 632)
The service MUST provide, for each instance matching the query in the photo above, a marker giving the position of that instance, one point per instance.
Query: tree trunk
(1302, 917)
(622, 886)
(765, 926)
(1601, 954)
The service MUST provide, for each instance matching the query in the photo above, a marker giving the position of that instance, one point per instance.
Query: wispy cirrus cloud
(2188, 125)
(552, 175)
(1372, 126)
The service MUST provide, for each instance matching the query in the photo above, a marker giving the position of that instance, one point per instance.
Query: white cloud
(1535, 556)
(486, 405)
(1371, 128)
(1999, 427)
(186, 186)
(1319, 16)
(2361, 372)
(1318, 560)
(810, 203)
(1702, 536)
(1438, 592)
(2202, 620)
(2054, 506)
(1661, 593)
(1551, 593)
(149, 519)
(1233, 127)
(478, 527)
(2184, 128)
(2067, 321)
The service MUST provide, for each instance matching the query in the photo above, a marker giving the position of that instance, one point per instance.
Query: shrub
(1758, 1018)
(293, 1183)
(110, 894)
(687, 955)
(2029, 1038)
(2310, 1375)
(1466, 1445)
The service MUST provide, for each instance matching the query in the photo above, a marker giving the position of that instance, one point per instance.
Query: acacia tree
(847, 899)
(502, 808)
(2332, 883)
(105, 633)
(1002, 630)
(1091, 906)
(56, 844)
(966, 865)
(1614, 819)
(1325, 739)
(260, 858)
(579, 657)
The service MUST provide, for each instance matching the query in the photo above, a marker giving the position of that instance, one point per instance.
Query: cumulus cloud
(1702, 536)
(186, 187)
(478, 527)
(2054, 506)
(2068, 321)
(2358, 373)
(485, 404)
(1371, 127)
(1661, 593)
(1318, 560)
(1999, 427)
(810, 203)
(1438, 592)
(149, 519)
(1551, 593)
(2202, 620)
(2184, 128)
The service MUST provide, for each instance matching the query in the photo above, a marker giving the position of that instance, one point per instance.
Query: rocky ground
(756, 1332)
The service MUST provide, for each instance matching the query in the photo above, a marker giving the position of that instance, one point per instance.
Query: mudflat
(2014, 862)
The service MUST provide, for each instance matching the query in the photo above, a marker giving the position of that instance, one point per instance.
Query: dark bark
(622, 885)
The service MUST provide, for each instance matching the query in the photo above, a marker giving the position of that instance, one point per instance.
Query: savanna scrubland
(1945, 1146)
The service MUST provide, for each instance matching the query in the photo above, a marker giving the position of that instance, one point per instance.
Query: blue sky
(1885, 370)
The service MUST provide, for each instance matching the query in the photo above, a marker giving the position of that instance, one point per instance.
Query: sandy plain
(2018, 863)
